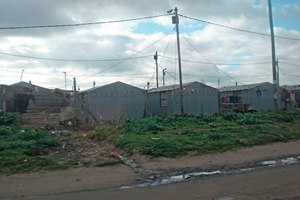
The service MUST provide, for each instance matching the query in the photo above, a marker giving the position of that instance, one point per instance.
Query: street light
(65, 80)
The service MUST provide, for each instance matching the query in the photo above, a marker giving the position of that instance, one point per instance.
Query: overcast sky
(123, 51)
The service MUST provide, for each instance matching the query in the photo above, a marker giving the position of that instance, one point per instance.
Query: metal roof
(241, 87)
(111, 84)
(174, 87)
(291, 87)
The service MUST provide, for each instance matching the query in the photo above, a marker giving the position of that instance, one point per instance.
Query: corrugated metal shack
(110, 102)
(2, 101)
(16, 97)
(257, 96)
(37, 105)
(198, 99)
(290, 96)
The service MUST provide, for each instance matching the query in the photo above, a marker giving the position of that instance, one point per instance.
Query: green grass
(175, 136)
(24, 149)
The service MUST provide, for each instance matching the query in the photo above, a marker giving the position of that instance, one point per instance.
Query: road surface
(269, 183)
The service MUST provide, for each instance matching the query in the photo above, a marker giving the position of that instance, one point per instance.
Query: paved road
(275, 183)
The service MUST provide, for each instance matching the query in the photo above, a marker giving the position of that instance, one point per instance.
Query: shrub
(9, 118)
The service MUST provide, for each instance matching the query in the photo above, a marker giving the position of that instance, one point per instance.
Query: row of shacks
(118, 99)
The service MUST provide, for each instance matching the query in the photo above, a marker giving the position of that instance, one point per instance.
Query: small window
(163, 99)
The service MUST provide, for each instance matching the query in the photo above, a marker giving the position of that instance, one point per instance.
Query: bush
(109, 132)
(9, 118)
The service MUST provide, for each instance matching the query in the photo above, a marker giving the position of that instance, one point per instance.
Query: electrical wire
(297, 65)
(224, 76)
(73, 75)
(200, 62)
(210, 61)
(72, 60)
(237, 29)
(165, 53)
(112, 66)
(81, 24)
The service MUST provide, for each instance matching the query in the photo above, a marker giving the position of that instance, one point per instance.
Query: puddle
(180, 176)
(289, 161)
(269, 162)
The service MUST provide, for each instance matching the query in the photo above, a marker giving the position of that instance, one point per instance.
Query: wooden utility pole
(175, 20)
(156, 64)
(274, 63)
(164, 73)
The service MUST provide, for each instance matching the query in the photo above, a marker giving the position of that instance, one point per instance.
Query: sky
(222, 42)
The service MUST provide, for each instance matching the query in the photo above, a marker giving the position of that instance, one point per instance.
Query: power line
(238, 29)
(71, 60)
(112, 66)
(255, 76)
(209, 60)
(56, 75)
(80, 24)
(297, 65)
(201, 62)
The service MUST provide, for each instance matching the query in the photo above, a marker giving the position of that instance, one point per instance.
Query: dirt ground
(246, 156)
(92, 178)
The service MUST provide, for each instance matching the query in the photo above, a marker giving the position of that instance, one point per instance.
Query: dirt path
(85, 179)
(228, 159)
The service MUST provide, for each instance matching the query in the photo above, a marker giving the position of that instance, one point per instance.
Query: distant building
(198, 99)
(16, 97)
(258, 96)
(2, 98)
(110, 102)
(37, 105)
(290, 96)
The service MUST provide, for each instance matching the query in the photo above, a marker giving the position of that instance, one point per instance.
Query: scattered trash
(126, 161)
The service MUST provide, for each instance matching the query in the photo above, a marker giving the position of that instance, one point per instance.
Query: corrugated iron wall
(197, 99)
(1, 98)
(113, 101)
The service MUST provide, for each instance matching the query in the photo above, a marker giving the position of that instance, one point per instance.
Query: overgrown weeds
(174, 136)
(24, 149)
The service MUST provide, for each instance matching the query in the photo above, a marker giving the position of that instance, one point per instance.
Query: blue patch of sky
(291, 20)
(287, 24)
(152, 28)
(257, 2)
(191, 27)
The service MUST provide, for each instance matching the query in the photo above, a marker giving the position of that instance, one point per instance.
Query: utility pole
(147, 99)
(175, 20)
(275, 81)
(155, 58)
(164, 73)
(65, 80)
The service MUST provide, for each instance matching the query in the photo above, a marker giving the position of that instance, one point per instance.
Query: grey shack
(198, 99)
(258, 96)
(110, 102)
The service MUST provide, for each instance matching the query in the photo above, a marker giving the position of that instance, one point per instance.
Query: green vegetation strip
(24, 149)
(177, 135)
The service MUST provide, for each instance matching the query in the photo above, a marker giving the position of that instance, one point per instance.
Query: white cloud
(122, 40)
